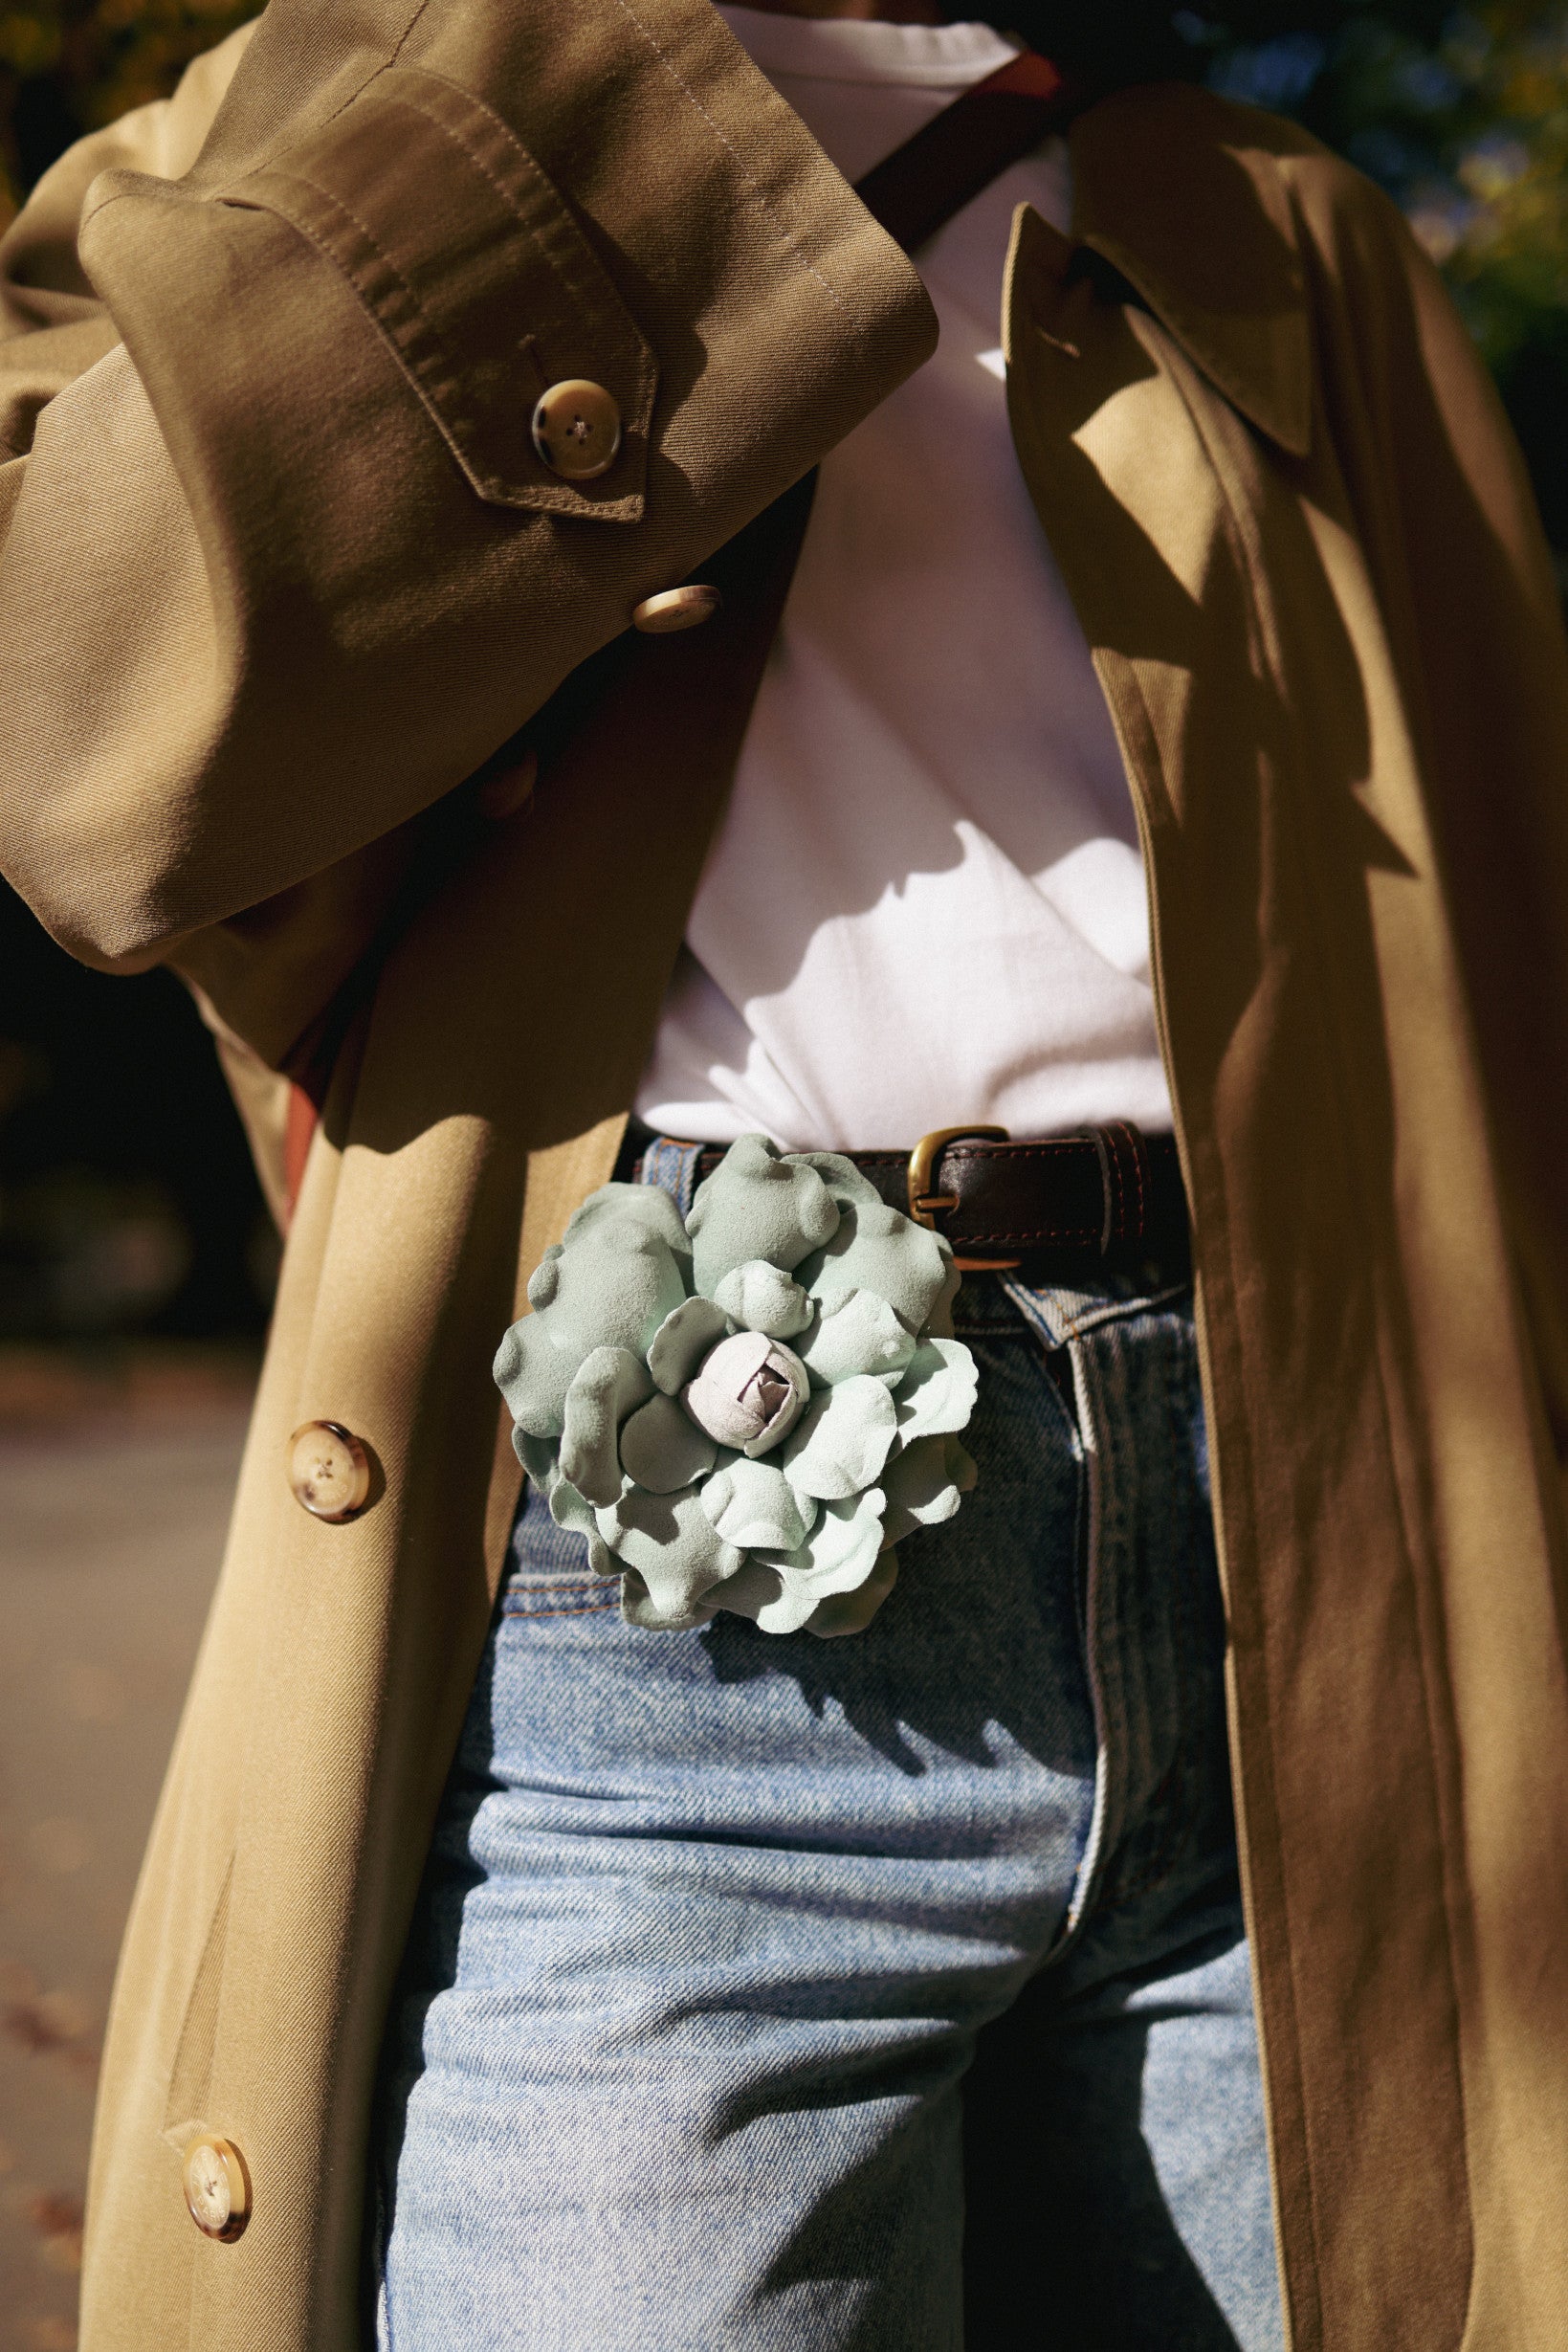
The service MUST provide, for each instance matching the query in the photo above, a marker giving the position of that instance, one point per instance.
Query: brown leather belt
(1112, 1196)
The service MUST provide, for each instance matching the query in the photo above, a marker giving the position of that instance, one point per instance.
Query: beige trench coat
(280, 570)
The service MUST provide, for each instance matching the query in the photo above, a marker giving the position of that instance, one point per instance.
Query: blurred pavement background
(115, 1474)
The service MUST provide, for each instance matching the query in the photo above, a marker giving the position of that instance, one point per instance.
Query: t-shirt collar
(841, 49)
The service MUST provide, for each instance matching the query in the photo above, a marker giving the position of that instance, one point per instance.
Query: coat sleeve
(281, 564)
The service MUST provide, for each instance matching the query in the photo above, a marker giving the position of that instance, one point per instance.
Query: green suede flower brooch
(748, 1409)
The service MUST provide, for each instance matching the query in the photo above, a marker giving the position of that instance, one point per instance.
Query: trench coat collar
(1183, 194)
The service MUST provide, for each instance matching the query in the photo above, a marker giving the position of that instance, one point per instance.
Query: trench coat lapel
(1220, 270)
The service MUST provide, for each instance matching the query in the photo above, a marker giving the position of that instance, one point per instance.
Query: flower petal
(674, 1549)
(611, 1384)
(752, 1588)
(840, 1552)
(790, 1609)
(841, 1547)
(856, 1331)
(663, 1448)
(878, 1249)
(567, 1507)
(571, 1510)
(617, 1276)
(937, 1391)
(754, 1505)
(546, 1277)
(757, 1204)
(639, 1607)
(924, 1484)
(770, 1593)
(648, 1207)
(939, 1323)
(682, 1340)
(843, 1179)
(760, 1297)
(842, 1439)
(851, 1612)
(537, 1457)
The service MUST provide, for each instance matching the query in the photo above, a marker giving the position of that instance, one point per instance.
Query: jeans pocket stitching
(543, 1600)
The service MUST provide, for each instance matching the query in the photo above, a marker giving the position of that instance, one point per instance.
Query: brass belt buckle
(923, 1162)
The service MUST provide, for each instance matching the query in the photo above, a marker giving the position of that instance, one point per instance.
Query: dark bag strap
(912, 193)
(916, 190)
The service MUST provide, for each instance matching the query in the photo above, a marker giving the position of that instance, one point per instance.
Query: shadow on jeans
(1067, 2238)
(982, 1632)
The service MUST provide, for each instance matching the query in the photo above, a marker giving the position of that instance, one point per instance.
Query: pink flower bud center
(748, 1391)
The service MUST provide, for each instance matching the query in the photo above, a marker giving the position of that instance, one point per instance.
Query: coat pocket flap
(473, 266)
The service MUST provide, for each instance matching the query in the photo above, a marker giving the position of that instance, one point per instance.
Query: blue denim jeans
(888, 1993)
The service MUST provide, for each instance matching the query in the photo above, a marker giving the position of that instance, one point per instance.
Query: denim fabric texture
(888, 1993)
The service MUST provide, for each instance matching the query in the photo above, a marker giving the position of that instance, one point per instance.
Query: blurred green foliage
(1462, 114)
(66, 66)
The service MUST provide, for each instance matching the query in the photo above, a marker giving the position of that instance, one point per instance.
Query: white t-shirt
(925, 904)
